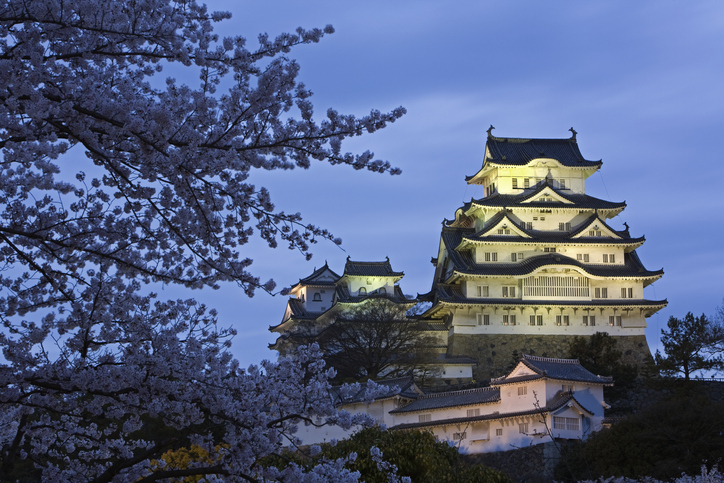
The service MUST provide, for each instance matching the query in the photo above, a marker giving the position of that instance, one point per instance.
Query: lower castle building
(522, 270)
(539, 400)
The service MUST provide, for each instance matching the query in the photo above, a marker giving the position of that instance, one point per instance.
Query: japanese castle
(522, 270)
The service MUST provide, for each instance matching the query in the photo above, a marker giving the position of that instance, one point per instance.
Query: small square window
(515, 183)
(526, 183)
(522, 391)
(499, 431)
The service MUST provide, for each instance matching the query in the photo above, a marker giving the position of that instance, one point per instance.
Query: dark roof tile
(451, 399)
(371, 269)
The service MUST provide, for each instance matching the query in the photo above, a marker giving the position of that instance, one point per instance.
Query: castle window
(459, 436)
(612, 258)
(526, 183)
(424, 418)
(473, 412)
(567, 388)
(585, 257)
(558, 320)
(566, 320)
(539, 319)
(483, 291)
(585, 320)
(483, 319)
(520, 255)
(579, 256)
(532, 320)
(515, 183)
(561, 226)
(513, 257)
(523, 428)
(509, 292)
(508, 319)
(614, 320)
(563, 184)
(499, 431)
(592, 320)
(601, 293)
(491, 256)
(549, 249)
(362, 291)
(317, 297)
(605, 258)
(522, 391)
(382, 291)
(529, 225)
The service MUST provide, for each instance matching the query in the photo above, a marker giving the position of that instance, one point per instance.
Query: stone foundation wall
(494, 352)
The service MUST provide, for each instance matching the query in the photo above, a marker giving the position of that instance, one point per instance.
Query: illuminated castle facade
(535, 262)
(522, 270)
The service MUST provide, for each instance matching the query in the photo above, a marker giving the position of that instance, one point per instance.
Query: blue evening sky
(641, 82)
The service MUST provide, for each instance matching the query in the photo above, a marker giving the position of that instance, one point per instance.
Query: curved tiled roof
(578, 201)
(563, 369)
(371, 269)
(540, 236)
(519, 152)
(464, 262)
(451, 399)
(317, 273)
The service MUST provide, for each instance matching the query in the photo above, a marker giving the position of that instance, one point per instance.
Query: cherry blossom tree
(113, 182)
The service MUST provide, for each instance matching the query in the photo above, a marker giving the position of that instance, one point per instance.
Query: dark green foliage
(663, 441)
(598, 353)
(692, 344)
(416, 454)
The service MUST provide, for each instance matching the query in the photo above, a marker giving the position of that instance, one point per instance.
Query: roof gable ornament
(573, 134)
(490, 131)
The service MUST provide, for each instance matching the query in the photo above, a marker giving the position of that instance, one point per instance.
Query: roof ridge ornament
(573, 134)
(490, 131)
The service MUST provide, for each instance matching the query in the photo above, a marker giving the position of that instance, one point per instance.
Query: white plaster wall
(326, 294)
(375, 283)
(454, 371)
(512, 402)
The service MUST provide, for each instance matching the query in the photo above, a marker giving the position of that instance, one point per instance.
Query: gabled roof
(314, 277)
(520, 152)
(451, 399)
(548, 367)
(523, 200)
(594, 221)
(370, 269)
(321, 277)
(578, 236)
(498, 221)
(400, 386)
(546, 190)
